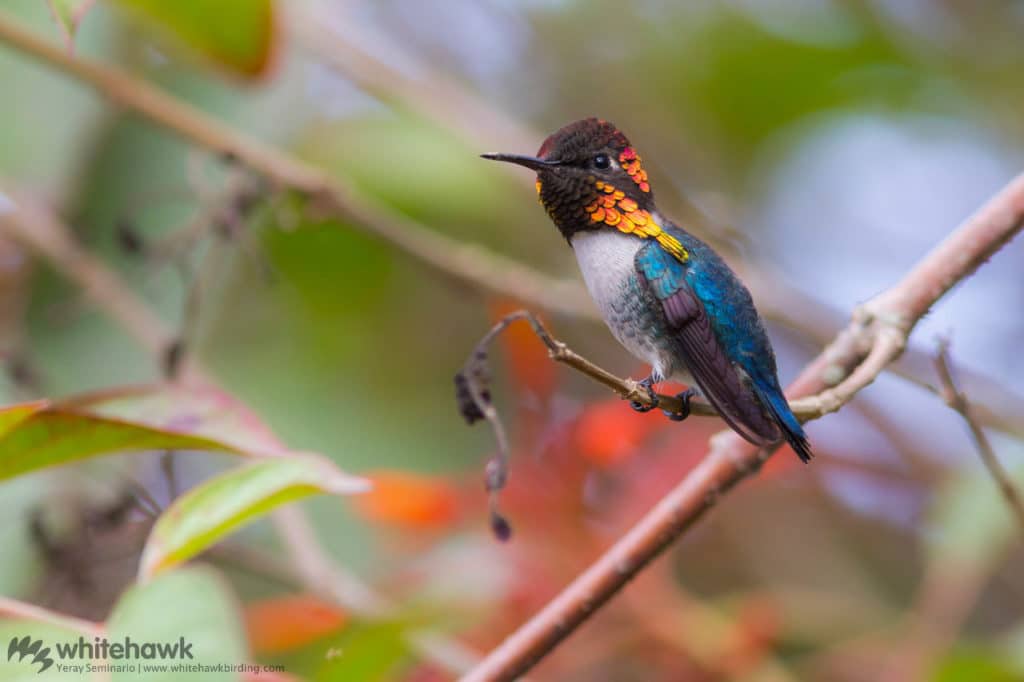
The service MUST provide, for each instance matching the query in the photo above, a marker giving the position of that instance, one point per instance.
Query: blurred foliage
(193, 605)
(892, 553)
(213, 509)
(234, 34)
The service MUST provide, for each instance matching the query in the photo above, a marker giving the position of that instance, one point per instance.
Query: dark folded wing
(719, 379)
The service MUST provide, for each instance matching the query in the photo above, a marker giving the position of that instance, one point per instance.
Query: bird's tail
(792, 431)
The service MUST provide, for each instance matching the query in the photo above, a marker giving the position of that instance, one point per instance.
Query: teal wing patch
(700, 348)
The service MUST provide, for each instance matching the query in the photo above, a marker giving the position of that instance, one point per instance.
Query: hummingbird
(665, 295)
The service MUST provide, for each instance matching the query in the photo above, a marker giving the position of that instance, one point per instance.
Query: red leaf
(409, 500)
(608, 432)
(285, 623)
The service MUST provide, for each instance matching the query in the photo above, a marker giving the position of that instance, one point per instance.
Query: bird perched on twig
(666, 296)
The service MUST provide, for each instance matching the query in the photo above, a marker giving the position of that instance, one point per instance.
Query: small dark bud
(229, 157)
(128, 238)
(468, 408)
(173, 355)
(501, 528)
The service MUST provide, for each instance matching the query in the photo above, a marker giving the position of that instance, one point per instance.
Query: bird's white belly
(606, 260)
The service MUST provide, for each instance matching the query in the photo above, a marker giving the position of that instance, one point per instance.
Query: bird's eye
(602, 161)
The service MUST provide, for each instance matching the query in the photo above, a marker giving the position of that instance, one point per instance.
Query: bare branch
(875, 336)
(958, 401)
(12, 608)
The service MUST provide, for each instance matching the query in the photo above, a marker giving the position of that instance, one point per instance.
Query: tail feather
(787, 421)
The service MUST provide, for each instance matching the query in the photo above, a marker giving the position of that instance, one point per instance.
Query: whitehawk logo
(26, 646)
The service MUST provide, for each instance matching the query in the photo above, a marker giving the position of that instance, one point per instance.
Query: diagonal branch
(953, 397)
(874, 337)
(12, 608)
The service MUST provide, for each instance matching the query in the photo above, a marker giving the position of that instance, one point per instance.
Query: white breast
(606, 261)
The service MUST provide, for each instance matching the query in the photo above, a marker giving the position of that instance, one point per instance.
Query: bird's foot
(648, 384)
(685, 411)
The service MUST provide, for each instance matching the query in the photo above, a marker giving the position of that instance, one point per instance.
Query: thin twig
(874, 337)
(958, 401)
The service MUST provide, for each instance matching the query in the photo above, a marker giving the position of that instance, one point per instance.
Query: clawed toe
(685, 411)
(638, 406)
(643, 407)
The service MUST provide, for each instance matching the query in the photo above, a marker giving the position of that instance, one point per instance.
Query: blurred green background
(822, 145)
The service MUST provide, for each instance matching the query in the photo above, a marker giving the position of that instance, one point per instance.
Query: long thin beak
(529, 161)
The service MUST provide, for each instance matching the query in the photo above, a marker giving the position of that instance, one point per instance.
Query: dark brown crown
(582, 137)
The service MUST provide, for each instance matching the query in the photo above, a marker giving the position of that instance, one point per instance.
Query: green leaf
(969, 664)
(236, 34)
(193, 605)
(213, 509)
(42, 434)
(68, 14)
(370, 653)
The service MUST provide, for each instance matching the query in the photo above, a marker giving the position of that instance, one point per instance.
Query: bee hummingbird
(666, 296)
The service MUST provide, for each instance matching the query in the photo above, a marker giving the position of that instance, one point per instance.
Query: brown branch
(12, 608)
(472, 264)
(958, 401)
(874, 337)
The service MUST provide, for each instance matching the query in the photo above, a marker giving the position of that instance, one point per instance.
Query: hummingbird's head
(589, 177)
